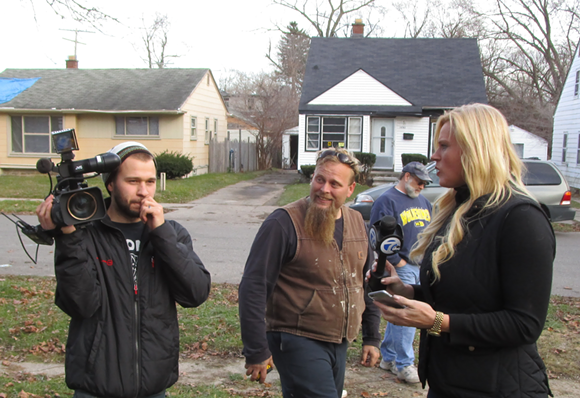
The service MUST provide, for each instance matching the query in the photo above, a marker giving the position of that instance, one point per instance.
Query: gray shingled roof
(439, 73)
(105, 89)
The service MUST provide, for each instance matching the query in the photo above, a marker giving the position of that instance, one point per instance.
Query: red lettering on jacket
(108, 262)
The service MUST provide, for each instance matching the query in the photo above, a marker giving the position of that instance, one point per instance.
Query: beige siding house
(164, 109)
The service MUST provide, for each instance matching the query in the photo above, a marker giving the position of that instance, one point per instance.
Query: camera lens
(82, 206)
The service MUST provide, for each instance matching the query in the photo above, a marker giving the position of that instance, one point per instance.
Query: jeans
(84, 394)
(398, 342)
(308, 368)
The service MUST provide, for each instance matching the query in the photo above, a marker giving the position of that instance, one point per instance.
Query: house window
(519, 150)
(31, 134)
(578, 154)
(329, 132)
(215, 127)
(313, 134)
(207, 131)
(333, 132)
(577, 84)
(564, 145)
(137, 125)
(193, 128)
(354, 133)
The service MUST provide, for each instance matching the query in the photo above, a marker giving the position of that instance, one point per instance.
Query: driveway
(223, 224)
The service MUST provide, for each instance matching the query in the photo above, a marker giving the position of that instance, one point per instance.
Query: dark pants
(84, 394)
(308, 368)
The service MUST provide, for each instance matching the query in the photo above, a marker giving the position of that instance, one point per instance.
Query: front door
(383, 143)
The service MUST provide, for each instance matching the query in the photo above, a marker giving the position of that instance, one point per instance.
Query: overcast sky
(217, 34)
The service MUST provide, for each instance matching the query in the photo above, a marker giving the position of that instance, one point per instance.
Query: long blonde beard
(319, 223)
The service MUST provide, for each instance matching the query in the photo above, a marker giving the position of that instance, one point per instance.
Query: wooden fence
(232, 155)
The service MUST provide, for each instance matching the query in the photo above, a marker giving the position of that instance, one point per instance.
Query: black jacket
(496, 291)
(122, 342)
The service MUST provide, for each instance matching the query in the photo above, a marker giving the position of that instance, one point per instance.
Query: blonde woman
(486, 268)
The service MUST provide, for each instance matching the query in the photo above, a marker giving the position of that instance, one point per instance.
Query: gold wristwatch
(436, 328)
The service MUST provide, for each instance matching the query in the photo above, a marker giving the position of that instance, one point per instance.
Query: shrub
(174, 164)
(414, 157)
(367, 161)
(308, 170)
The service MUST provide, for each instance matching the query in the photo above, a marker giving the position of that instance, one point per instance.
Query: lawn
(33, 329)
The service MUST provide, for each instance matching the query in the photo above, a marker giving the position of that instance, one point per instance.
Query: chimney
(358, 28)
(72, 62)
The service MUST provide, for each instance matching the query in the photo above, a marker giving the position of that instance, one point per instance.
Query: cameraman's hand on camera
(44, 218)
(151, 213)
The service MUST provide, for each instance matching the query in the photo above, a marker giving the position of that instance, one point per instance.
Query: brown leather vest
(319, 293)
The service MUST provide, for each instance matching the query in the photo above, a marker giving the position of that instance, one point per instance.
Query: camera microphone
(103, 163)
(44, 165)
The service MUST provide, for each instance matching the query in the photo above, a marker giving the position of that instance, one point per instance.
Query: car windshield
(540, 174)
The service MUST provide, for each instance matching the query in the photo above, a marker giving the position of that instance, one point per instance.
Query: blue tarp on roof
(11, 87)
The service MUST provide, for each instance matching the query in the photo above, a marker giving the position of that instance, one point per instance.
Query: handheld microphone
(386, 237)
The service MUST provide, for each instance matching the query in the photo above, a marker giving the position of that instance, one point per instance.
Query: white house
(383, 95)
(528, 145)
(566, 135)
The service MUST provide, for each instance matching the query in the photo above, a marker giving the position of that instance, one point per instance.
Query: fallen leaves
(51, 346)
(24, 394)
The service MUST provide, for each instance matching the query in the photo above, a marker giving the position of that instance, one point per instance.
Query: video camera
(74, 202)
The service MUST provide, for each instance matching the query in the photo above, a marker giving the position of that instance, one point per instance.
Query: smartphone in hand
(384, 297)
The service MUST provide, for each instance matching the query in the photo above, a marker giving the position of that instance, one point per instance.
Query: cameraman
(118, 279)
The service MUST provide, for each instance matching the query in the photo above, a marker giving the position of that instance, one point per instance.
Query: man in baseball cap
(417, 169)
(413, 213)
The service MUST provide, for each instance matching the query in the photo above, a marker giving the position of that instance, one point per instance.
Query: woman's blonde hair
(490, 167)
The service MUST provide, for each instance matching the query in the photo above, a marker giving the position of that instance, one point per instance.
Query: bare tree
(155, 39)
(416, 16)
(526, 50)
(330, 17)
(78, 10)
(290, 61)
(268, 105)
(543, 35)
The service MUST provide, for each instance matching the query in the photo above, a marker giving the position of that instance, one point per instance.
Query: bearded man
(413, 212)
(302, 296)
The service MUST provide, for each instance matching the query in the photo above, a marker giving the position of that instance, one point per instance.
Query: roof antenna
(74, 59)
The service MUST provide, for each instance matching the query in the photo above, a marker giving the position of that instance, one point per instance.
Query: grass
(568, 226)
(19, 206)
(34, 329)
